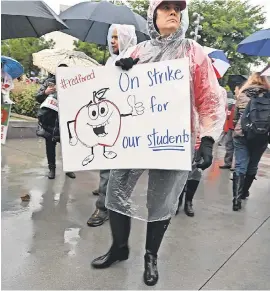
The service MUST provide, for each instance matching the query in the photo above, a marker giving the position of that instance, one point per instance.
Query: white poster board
(114, 119)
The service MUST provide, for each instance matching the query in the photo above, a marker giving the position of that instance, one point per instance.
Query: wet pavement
(46, 243)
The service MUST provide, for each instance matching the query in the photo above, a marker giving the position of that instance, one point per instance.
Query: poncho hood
(126, 39)
(153, 33)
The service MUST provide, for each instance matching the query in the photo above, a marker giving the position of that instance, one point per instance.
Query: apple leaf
(100, 93)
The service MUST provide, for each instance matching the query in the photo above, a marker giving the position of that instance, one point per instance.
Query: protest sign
(115, 119)
(5, 114)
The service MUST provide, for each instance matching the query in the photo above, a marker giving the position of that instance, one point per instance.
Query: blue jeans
(247, 156)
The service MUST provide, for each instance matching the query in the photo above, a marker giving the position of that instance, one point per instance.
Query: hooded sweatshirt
(207, 104)
(126, 39)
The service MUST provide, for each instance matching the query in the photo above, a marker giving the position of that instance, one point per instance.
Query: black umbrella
(28, 19)
(90, 21)
(236, 80)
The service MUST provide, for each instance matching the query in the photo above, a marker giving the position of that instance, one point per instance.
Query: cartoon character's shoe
(88, 160)
(110, 155)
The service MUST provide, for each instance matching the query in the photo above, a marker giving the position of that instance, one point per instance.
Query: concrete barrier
(22, 127)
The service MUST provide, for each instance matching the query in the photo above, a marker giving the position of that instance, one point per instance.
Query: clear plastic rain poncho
(126, 39)
(152, 195)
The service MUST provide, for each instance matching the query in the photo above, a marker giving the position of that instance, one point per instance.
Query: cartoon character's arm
(125, 115)
(72, 135)
(136, 108)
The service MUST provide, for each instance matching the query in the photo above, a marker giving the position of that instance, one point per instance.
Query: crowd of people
(246, 140)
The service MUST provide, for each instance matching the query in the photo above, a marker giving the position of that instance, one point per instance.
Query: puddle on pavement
(71, 237)
(57, 198)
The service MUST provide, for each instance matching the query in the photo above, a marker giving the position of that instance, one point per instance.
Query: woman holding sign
(164, 186)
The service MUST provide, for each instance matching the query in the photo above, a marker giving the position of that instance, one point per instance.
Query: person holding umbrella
(120, 39)
(49, 60)
(164, 186)
(48, 121)
(10, 70)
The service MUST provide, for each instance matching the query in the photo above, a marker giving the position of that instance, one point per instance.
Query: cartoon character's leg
(88, 159)
(109, 154)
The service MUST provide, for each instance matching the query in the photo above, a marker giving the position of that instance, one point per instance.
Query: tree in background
(21, 49)
(226, 23)
(139, 6)
(97, 52)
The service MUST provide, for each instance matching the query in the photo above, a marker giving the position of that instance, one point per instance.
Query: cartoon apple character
(99, 123)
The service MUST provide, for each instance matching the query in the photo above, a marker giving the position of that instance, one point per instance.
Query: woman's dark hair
(155, 21)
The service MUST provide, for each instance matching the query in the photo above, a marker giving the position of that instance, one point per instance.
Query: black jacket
(47, 117)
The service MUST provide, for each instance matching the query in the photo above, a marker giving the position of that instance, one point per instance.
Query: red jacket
(229, 120)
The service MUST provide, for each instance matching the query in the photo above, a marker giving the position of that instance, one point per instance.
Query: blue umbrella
(257, 44)
(12, 67)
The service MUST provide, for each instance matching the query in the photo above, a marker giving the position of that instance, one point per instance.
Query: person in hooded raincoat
(164, 186)
(195, 175)
(120, 38)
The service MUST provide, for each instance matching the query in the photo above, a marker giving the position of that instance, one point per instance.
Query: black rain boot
(119, 251)
(155, 233)
(51, 174)
(248, 182)
(50, 152)
(181, 199)
(192, 186)
(238, 185)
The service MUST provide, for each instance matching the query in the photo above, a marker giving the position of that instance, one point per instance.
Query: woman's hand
(206, 152)
(50, 90)
(127, 63)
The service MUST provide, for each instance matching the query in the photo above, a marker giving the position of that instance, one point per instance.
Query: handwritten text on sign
(115, 119)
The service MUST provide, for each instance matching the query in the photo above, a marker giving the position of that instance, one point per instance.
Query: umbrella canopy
(219, 61)
(28, 19)
(12, 67)
(90, 21)
(236, 80)
(257, 44)
(50, 59)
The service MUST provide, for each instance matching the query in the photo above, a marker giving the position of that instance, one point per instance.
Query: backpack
(255, 120)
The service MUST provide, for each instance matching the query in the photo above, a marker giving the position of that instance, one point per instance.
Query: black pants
(248, 155)
(120, 227)
(102, 189)
(50, 151)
